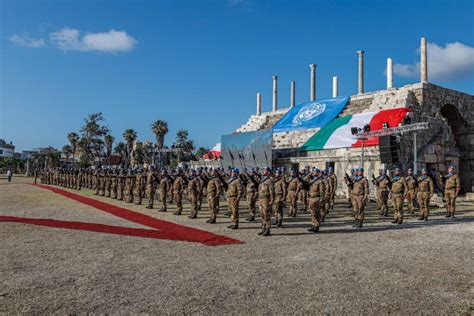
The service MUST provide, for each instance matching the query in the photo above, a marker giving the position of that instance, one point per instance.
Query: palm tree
(130, 136)
(109, 141)
(160, 129)
(121, 149)
(67, 151)
(73, 139)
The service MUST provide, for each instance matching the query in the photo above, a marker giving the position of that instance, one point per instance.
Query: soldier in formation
(272, 191)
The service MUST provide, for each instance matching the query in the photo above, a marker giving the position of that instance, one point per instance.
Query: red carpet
(162, 229)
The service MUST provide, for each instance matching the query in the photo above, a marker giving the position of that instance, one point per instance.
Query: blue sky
(198, 64)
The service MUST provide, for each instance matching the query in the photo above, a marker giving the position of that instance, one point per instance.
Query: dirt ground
(415, 268)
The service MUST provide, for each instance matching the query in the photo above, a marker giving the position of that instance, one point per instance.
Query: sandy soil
(418, 267)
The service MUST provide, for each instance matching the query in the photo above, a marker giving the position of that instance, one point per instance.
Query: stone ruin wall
(441, 145)
(438, 146)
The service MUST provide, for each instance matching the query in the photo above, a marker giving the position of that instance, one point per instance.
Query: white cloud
(454, 61)
(109, 42)
(26, 41)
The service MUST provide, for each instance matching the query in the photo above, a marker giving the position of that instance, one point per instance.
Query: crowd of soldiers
(312, 189)
(399, 188)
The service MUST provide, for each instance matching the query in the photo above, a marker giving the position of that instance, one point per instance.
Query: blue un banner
(311, 114)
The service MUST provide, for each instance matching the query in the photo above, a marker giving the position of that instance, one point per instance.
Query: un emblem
(308, 112)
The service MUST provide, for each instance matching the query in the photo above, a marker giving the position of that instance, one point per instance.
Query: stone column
(259, 103)
(275, 94)
(389, 73)
(335, 87)
(424, 61)
(292, 94)
(313, 82)
(360, 85)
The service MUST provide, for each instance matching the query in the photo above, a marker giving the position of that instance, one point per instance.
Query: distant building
(7, 150)
(28, 154)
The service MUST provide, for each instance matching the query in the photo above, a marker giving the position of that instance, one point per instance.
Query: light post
(415, 155)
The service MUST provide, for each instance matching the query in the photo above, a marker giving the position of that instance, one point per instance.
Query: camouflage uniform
(304, 193)
(102, 183)
(252, 197)
(399, 191)
(294, 188)
(266, 196)
(316, 196)
(452, 187)
(332, 191)
(163, 187)
(213, 193)
(194, 189)
(108, 183)
(178, 188)
(412, 187)
(233, 195)
(138, 188)
(359, 196)
(382, 192)
(279, 201)
(150, 187)
(121, 185)
(114, 185)
(425, 192)
(130, 186)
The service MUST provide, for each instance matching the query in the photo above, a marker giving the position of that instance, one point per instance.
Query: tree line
(95, 144)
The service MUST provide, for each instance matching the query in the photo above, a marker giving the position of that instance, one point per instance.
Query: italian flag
(337, 134)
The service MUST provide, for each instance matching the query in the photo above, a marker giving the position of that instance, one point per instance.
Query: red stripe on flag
(393, 117)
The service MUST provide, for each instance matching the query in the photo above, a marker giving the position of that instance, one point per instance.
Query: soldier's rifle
(223, 182)
(349, 181)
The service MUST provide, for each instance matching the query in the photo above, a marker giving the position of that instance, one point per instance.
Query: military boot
(250, 218)
(178, 212)
(395, 221)
(400, 221)
(356, 223)
(266, 232)
(233, 226)
(360, 224)
(262, 231)
(280, 222)
(421, 218)
(193, 215)
(316, 229)
(312, 228)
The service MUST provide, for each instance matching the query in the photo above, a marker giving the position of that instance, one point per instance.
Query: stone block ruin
(448, 141)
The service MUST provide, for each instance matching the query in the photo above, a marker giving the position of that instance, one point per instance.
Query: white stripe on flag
(342, 137)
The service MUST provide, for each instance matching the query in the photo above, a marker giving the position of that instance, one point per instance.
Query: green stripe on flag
(320, 138)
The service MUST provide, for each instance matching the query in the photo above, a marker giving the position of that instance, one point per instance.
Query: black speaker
(388, 149)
